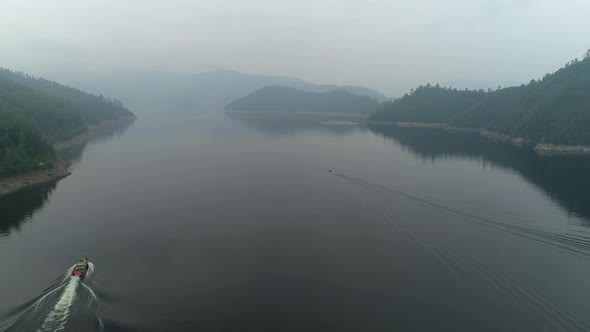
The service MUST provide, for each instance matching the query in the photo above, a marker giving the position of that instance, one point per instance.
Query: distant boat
(81, 268)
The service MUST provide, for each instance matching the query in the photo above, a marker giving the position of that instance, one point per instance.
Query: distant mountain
(554, 109)
(355, 89)
(208, 91)
(286, 99)
(221, 87)
(215, 89)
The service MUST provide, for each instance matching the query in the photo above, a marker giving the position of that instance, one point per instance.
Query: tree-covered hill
(55, 118)
(93, 108)
(554, 109)
(34, 112)
(22, 147)
(284, 99)
(432, 104)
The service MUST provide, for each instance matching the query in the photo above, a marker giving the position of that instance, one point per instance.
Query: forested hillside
(554, 109)
(93, 108)
(55, 118)
(22, 147)
(285, 99)
(34, 112)
(433, 104)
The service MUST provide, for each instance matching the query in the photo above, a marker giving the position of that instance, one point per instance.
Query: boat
(80, 268)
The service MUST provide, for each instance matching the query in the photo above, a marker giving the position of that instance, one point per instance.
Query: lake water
(233, 223)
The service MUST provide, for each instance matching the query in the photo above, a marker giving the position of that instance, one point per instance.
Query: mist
(390, 46)
(268, 165)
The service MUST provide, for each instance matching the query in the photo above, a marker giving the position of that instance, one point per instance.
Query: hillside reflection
(566, 179)
(276, 125)
(20, 206)
(17, 208)
(102, 135)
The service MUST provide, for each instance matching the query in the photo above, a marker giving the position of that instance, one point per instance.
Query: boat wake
(68, 305)
(558, 310)
(572, 243)
(58, 317)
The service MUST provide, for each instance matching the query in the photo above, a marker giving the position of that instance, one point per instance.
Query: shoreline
(347, 115)
(92, 131)
(61, 169)
(12, 184)
(543, 149)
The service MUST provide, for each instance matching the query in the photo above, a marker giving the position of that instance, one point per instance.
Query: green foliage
(555, 109)
(34, 111)
(276, 98)
(22, 147)
(431, 104)
(91, 107)
(55, 118)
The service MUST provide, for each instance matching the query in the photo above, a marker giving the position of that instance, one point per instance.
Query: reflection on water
(19, 207)
(566, 179)
(104, 134)
(286, 124)
(237, 225)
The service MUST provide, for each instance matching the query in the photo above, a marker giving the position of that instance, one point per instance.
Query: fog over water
(251, 193)
(391, 46)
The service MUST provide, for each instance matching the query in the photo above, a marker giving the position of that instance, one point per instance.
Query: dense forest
(22, 147)
(554, 109)
(284, 99)
(55, 118)
(93, 108)
(35, 111)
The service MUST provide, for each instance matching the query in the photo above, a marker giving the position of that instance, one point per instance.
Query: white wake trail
(57, 318)
(90, 272)
(68, 273)
(93, 296)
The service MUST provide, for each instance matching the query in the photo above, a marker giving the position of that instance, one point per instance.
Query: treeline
(92, 107)
(429, 103)
(36, 111)
(55, 118)
(276, 98)
(554, 109)
(22, 147)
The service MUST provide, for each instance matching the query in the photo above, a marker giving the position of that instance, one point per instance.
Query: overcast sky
(390, 45)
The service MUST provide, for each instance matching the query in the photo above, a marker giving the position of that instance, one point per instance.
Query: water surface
(219, 223)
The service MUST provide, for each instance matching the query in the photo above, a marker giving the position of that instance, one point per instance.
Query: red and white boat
(80, 268)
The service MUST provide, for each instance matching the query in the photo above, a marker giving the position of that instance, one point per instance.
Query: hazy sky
(390, 45)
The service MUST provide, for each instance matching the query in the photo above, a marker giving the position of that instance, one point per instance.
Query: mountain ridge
(205, 91)
(281, 99)
(551, 110)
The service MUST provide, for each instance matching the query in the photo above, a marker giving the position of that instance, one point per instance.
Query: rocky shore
(523, 142)
(554, 149)
(12, 184)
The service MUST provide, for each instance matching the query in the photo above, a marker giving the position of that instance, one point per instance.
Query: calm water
(216, 223)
